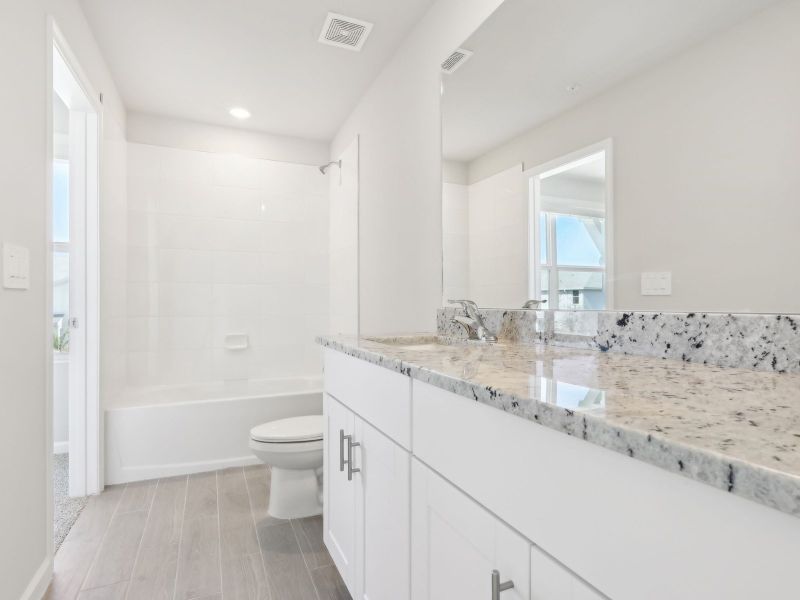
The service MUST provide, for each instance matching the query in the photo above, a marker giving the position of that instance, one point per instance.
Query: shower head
(324, 168)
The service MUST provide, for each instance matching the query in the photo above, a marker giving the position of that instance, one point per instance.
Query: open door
(75, 228)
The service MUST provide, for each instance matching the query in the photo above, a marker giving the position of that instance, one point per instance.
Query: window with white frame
(569, 229)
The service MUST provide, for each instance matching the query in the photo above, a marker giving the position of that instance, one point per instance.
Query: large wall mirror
(601, 157)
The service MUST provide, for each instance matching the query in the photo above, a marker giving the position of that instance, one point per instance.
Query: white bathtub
(165, 431)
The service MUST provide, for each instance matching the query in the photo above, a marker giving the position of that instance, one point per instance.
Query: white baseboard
(60, 447)
(41, 579)
(130, 474)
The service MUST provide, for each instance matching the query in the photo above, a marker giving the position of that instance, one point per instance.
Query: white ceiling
(194, 59)
(527, 53)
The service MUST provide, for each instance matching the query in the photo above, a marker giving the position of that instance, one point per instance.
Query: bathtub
(164, 431)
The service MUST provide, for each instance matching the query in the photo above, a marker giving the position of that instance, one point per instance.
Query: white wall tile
(143, 162)
(182, 266)
(250, 325)
(236, 171)
(177, 333)
(236, 267)
(283, 237)
(184, 299)
(142, 299)
(221, 244)
(236, 203)
(142, 193)
(230, 300)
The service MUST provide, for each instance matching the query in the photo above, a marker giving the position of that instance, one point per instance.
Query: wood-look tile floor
(203, 537)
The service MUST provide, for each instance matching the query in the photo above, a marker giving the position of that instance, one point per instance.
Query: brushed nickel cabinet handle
(341, 450)
(498, 587)
(350, 445)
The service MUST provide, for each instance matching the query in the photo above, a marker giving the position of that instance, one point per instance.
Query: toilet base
(295, 493)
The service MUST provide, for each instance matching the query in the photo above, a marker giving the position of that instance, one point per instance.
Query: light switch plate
(16, 267)
(657, 283)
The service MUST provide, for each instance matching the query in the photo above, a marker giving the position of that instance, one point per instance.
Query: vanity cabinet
(339, 502)
(551, 581)
(440, 497)
(367, 479)
(458, 545)
(383, 517)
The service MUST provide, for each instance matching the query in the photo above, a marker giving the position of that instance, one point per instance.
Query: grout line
(102, 539)
(219, 539)
(258, 536)
(180, 540)
(141, 539)
(303, 555)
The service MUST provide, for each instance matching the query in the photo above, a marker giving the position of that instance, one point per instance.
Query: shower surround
(227, 274)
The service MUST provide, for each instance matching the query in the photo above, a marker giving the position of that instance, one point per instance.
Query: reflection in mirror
(597, 157)
(567, 395)
(569, 217)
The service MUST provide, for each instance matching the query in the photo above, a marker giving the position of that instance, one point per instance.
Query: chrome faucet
(473, 322)
(533, 303)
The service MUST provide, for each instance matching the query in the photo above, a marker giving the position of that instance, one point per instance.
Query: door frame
(86, 425)
(532, 177)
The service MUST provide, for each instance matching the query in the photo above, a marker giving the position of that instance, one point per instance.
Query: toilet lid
(294, 429)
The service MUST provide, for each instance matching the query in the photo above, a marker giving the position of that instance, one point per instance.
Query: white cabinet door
(339, 510)
(383, 555)
(550, 580)
(456, 544)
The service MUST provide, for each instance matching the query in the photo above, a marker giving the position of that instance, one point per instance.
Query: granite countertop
(735, 429)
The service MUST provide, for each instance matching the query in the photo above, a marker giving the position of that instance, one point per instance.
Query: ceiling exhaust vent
(455, 60)
(344, 32)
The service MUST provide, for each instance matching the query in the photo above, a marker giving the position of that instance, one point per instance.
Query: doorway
(73, 225)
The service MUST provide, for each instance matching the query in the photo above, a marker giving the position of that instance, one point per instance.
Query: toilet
(293, 448)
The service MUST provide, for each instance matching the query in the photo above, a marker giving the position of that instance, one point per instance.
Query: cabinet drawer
(379, 396)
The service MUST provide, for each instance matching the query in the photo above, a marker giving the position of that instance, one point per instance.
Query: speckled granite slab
(752, 341)
(735, 429)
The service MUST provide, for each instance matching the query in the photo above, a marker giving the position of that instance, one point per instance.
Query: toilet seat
(289, 431)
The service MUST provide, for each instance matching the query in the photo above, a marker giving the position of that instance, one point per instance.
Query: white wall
(221, 244)
(705, 169)
(190, 135)
(455, 241)
(400, 182)
(454, 171)
(24, 521)
(113, 260)
(498, 240)
(343, 270)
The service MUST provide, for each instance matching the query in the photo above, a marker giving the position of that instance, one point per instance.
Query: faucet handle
(465, 304)
(533, 303)
(468, 325)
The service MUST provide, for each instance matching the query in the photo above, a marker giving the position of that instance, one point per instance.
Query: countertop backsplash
(764, 342)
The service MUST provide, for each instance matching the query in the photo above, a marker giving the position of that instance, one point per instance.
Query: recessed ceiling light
(240, 113)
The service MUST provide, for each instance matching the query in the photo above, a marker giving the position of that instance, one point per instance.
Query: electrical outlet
(657, 283)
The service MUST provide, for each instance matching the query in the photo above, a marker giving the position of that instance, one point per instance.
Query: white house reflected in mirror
(627, 160)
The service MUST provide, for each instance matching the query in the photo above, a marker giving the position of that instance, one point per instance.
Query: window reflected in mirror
(569, 217)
